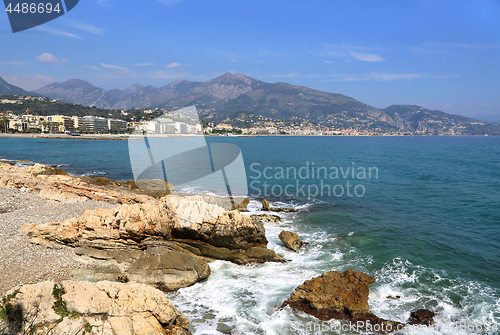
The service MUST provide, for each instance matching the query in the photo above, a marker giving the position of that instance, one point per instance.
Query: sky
(438, 54)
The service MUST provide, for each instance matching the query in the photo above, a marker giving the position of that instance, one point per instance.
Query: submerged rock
(421, 317)
(291, 240)
(78, 307)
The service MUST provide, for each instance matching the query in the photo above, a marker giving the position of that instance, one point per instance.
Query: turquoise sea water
(426, 224)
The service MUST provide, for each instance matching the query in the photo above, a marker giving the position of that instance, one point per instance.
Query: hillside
(44, 107)
(222, 98)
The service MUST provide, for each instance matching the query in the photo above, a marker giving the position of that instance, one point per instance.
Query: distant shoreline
(133, 137)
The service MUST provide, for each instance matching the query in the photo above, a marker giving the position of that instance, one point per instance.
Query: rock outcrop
(269, 218)
(343, 296)
(242, 207)
(163, 264)
(161, 242)
(55, 184)
(81, 307)
(291, 240)
(268, 208)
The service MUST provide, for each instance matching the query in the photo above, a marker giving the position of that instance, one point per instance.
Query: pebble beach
(22, 262)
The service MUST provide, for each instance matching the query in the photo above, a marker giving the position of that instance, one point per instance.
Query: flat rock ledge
(269, 218)
(81, 307)
(342, 296)
(165, 242)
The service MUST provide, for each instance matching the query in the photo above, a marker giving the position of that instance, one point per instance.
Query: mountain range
(229, 95)
(8, 89)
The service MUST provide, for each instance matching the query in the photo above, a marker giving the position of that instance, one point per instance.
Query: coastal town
(33, 114)
(158, 121)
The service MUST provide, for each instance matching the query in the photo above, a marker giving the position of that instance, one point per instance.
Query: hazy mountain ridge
(222, 98)
(8, 89)
(78, 91)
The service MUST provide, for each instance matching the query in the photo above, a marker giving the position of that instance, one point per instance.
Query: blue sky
(435, 53)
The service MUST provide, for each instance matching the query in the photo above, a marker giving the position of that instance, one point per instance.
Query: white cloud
(366, 57)
(173, 65)
(113, 67)
(116, 68)
(86, 27)
(351, 52)
(28, 83)
(50, 59)
(93, 67)
(57, 32)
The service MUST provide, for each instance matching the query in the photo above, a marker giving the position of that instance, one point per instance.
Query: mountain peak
(233, 78)
(228, 86)
(136, 88)
(73, 83)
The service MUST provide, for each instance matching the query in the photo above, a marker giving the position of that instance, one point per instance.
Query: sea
(420, 214)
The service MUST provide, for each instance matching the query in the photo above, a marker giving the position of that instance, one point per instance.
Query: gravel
(22, 262)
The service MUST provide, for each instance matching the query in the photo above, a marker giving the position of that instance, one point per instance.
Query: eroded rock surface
(291, 240)
(160, 242)
(267, 207)
(343, 296)
(269, 218)
(78, 307)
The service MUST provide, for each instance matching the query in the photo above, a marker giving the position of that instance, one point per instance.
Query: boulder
(77, 307)
(39, 169)
(343, 296)
(155, 262)
(269, 218)
(204, 227)
(347, 292)
(242, 206)
(55, 184)
(267, 207)
(291, 240)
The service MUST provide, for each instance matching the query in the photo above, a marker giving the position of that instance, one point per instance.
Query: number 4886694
(33, 8)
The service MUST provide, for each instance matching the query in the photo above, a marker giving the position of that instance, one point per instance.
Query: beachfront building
(117, 126)
(181, 128)
(62, 123)
(137, 126)
(94, 124)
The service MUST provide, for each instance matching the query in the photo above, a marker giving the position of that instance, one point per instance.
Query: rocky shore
(64, 232)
